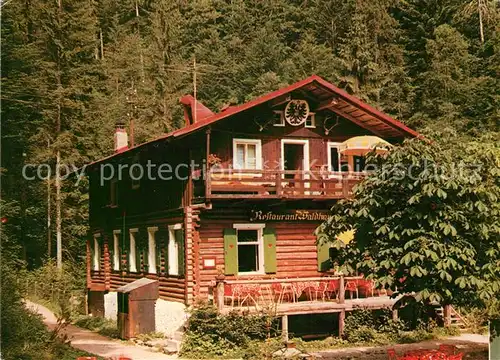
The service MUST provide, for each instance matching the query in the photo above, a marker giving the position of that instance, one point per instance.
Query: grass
(100, 325)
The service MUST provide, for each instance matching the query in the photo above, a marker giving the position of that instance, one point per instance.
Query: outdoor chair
(368, 287)
(352, 286)
(332, 287)
(282, 290)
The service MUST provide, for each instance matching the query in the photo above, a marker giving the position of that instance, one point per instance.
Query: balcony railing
(231, 183)
(299, 295)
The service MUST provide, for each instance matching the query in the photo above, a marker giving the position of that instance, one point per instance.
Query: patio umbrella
(361, 145)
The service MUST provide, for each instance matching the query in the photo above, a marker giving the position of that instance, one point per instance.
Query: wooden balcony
(279, 184)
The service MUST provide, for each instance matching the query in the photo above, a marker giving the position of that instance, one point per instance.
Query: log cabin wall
(296, 249)
(107, 278)
(243, 127)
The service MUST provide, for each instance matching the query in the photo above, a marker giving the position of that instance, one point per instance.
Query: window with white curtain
(132, 266)
(97, 252)
(247, 154)
(116, 249)
(152, 249)
(173, 249)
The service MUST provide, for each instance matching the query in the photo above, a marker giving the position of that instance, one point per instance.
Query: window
(359, 163)
(310, 121)
(132, 253)
(247, 154)
(152, 249)
(250, 248)
(333, 157)
(97, 252)
(116, 249)
(279, 119)
(175, 239)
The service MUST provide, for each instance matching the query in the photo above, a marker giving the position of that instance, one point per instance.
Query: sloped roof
(329, 96)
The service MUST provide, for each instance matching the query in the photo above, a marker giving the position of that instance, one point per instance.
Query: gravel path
(474, 347)
(93, 343)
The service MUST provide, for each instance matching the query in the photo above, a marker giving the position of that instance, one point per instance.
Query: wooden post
(341, 323)
(394, 314)
(219, 292)
(341, 289)
(278, 183)
(447, 315)
(284, 326)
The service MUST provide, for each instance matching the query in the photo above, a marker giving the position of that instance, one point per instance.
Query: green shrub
(23, 333)
(58, 290)
(210, 334)
(100, 325)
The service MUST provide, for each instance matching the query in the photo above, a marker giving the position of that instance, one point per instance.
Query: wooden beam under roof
(357, 121)
(327, 104)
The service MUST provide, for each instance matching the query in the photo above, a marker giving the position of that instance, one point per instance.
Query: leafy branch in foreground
(427, 221)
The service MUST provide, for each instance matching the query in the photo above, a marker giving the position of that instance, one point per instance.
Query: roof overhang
(325, 95)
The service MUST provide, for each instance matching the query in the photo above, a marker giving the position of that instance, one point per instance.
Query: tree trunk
(58, 211)
(481, 30)
(49, 215)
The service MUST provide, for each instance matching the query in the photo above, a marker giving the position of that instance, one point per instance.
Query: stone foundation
(111, 306)
(170, 316)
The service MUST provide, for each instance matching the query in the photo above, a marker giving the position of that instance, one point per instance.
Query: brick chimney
(121, 138)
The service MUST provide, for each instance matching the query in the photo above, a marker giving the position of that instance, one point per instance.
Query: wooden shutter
(179, 238)
(141, 244)
(111, 250)
(159, 244)
(92, 251)
(270, 264)
(324, 262)
(230, 252)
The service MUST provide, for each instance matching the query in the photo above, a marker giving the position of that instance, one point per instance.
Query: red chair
(229, 293)
(458, 356)
(368, 286)
(352, 286)
(333, 287)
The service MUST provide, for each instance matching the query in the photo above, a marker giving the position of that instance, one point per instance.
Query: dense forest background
(72, 68)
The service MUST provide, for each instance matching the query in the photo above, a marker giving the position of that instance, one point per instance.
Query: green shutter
(270, 263)
(230, 252)
(179, 238)
(324, 262)
(158, 250)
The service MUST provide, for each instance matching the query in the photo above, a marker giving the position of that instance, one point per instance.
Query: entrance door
(295, 157)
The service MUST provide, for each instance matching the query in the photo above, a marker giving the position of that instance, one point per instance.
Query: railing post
(341, 323)
(284, 327)
(447, 315)
(341, 289)
(345, 182)
(394, 314)
(219, 292)
(278, 183)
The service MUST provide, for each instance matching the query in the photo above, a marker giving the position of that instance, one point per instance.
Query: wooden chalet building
(237, 193)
